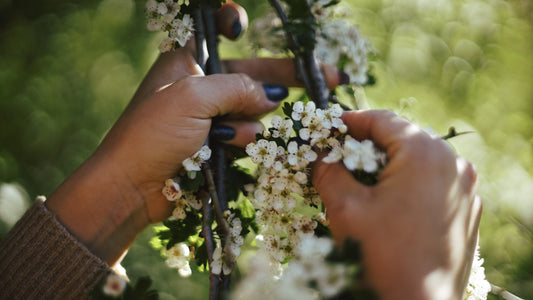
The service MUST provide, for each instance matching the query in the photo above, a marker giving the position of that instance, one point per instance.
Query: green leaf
(236, 178)
(200, 255)
(322, 230)
(287, 109)
(181, 230)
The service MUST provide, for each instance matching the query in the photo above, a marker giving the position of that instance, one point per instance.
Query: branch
(293, 46)
(496, 290)
(199, 38)
(206, 35)
(307, 66)
(207, 233)
(452, 132)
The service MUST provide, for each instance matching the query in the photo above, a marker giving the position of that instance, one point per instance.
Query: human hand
(418, 226)
(116, 193)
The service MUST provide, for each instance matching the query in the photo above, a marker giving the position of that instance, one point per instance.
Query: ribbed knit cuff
(40, 259)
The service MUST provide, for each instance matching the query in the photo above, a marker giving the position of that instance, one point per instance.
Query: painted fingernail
(222, 132)
(275, 92)
(236, 28)
(344, 78)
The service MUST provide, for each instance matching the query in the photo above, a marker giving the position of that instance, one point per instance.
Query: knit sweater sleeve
(40, 259)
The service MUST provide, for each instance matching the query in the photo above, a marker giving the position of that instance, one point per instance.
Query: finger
(231, 20)
(345, 199)
(381, 126)
(280, 71)
(236, 133)
(468, 176)
(168, 68)
(236, 95)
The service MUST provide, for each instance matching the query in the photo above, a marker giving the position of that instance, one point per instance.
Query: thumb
(345, 199)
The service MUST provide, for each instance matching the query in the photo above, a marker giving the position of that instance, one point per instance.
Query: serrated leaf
(287, 109)
(236, 178)
(181, 230)
(322, 230)
(200, 255)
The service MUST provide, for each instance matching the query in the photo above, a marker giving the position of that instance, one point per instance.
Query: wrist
(100, 208)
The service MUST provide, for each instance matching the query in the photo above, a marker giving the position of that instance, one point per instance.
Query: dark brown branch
(207, 233)
(199, 38)
(207, 38)
(307, 66)
(208, 14)
(293, 46)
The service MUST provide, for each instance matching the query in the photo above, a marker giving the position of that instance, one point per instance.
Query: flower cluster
(225, 258)
(338, 41)
(478, 287)
(114, 285)
(283, 154)
(178, 257)
(184, 199)
(307, 276)
(167, 16)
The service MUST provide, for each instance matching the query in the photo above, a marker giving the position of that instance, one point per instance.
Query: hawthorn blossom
(182, 29)
(195, 162)
(165, 16)
(220, 263)
(114, 285)
(282, 127)
(300, 155)
(172, 190)
(303, 113)
(360, 155)
(263, 152)
(478, 287)
(178, 257)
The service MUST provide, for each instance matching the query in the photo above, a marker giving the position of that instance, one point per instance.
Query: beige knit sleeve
(40, 259)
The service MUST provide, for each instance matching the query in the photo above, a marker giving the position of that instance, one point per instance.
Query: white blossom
(114, 285)
(195, 162)
(360, 155)
(178, 258)
(171, 190)
(478, 287)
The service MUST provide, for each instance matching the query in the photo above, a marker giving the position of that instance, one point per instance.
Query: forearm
(40, 259)
(98, 207)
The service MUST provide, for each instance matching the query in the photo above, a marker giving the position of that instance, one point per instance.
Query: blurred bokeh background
(68, 68)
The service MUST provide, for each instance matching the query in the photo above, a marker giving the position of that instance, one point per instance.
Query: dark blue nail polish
(236, 28)
(222, 132)
(344, 78)
(275, 92)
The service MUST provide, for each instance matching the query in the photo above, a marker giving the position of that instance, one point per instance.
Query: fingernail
(344, 78)
(236, 28)
(275, 92)
(222, 132)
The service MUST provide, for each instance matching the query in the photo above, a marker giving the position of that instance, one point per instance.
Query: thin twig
(221, 221)
(452, 132)
(207, 233)
(496, 290)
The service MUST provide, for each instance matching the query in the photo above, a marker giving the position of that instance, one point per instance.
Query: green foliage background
(68, 68)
